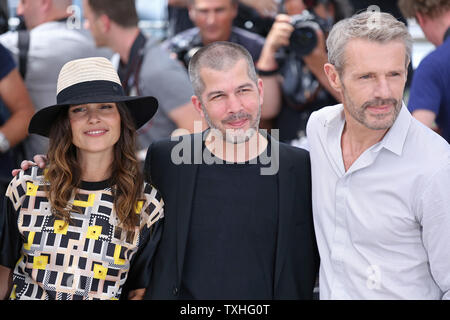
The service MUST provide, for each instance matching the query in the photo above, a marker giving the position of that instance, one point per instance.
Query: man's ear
(421, 19)
(105, 23)
(191, 12)
(45, 5)
(197, 105)
(261, 91)
(333, 76)
(235, 8)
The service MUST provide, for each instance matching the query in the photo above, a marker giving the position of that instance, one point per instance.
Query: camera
(303, 39)
(185, 46)
(300, 86)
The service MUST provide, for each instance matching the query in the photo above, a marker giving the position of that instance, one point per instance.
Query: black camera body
(185, 46)
(303, 39)
(186, 54)
(300, 87)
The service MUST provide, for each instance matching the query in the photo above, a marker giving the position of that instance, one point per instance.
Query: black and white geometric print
(89, 258)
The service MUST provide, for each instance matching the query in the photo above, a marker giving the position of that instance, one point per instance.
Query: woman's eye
(77, 110)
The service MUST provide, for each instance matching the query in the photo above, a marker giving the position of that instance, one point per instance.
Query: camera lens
(303, 41)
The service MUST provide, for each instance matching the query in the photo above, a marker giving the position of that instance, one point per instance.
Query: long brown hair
(64, 173)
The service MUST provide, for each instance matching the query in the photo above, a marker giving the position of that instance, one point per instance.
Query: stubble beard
(383, 121)
(235, 136)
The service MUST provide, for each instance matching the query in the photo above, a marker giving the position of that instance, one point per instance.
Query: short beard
(235, 136)
(359, 113)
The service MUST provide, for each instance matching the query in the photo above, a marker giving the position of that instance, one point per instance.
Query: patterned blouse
(88, 259)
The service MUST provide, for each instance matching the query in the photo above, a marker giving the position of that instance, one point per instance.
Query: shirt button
(175, 291)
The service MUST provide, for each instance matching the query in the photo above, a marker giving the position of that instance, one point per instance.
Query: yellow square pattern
(94, 232)
(100, 272)
(60, 227)
(27, 246)
(13, 293)
(40, 262)
(31, 189)
(117, 259)
(85, 204)
(138, 207)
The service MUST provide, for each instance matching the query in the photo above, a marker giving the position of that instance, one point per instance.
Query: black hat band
(85, 90)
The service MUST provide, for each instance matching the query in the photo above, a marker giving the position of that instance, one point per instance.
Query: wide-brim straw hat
(90, 80)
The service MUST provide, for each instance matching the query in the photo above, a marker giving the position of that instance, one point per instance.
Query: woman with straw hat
(88, 224)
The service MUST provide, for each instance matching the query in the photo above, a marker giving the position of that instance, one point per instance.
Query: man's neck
(356, 139)
(236, 152)
(443, 25)
(49, 18)
(227, 37)
(123, 42)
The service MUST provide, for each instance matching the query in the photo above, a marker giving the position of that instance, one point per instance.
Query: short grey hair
(233, 2)
(220, 55)
(373, 26)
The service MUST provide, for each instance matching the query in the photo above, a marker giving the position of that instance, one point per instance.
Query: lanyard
(129, 73)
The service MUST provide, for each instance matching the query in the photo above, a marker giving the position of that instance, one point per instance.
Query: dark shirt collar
(97, 185)
(447, 34)
(138, 44)
(197, 39)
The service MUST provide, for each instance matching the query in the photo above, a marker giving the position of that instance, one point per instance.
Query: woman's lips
(95, 133)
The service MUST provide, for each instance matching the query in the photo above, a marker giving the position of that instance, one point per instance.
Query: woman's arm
(6, 282)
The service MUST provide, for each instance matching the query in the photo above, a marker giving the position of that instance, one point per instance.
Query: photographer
(295, 47)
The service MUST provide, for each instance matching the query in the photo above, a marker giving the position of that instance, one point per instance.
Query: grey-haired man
(380, 179)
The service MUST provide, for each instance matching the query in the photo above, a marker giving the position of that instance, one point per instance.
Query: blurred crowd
(285, 38)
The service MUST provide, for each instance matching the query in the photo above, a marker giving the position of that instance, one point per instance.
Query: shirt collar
(447, 35)
(335, 117)
(395, 138)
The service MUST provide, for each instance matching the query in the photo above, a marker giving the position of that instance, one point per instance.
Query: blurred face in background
(325, 10)
(29, 9)
(214, 18)
(93, 23)
(293, 7)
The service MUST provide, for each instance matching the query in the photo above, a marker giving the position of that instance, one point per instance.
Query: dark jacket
(296, 262)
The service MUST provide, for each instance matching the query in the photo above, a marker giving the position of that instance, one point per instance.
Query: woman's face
(95, 127)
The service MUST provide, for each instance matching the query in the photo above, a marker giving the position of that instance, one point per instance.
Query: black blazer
(297, 258)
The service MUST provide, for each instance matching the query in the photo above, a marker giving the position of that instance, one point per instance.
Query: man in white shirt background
(381, 198)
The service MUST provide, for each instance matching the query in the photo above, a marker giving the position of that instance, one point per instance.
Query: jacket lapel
(286, 190)
(185, 193)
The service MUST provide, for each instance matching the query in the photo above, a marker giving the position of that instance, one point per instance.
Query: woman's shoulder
(33, 175)
(152, 206)
(151, 191)
(25, 183)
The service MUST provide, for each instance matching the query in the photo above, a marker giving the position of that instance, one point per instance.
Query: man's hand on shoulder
(39, 160)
